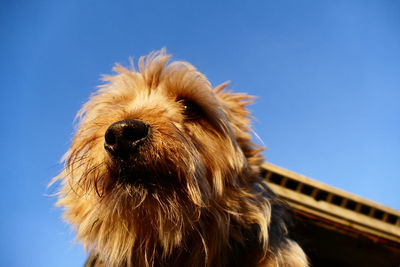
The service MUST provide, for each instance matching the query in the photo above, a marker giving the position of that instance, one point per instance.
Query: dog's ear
(235, 107)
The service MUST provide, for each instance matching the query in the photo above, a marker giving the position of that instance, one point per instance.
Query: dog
(162, 171)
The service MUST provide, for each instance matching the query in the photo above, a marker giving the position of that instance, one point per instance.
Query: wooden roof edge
(338, 214)
(328, 188)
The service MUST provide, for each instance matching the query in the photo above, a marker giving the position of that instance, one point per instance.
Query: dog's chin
(139, 178)
(135, 174)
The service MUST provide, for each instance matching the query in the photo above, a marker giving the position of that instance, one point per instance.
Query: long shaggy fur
(194, 196)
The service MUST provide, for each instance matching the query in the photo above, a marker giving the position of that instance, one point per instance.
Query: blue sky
(326, 73)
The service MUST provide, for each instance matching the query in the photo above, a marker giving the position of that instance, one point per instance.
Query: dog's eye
(190, 109)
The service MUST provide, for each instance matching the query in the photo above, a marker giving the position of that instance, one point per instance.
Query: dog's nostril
(110, 138)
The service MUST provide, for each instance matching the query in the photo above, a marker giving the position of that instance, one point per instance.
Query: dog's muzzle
(122, 138)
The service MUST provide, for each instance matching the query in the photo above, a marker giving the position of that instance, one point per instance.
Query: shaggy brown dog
(162, 172)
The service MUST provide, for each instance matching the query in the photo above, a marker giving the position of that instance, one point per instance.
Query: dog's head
(161, 128)
(156, 147)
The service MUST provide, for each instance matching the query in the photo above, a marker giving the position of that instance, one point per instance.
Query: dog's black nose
(122, 137)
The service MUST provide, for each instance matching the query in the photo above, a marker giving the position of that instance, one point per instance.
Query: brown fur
(205, 204)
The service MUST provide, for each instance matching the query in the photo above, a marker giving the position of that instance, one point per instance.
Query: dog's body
(163, 172)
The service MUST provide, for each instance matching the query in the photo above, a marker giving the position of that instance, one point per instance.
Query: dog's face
(168, 136)
(161, 129)
(155, 147)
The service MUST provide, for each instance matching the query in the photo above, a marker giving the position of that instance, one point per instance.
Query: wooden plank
(328, 188)
(338, 214)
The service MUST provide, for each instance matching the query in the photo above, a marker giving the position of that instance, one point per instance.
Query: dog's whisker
(258, 137)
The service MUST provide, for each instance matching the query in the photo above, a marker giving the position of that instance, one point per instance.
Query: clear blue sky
(327, 74)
